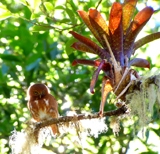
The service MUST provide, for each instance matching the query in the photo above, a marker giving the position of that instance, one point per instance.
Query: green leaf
(34, 4)
(49, 6)
(65, 20)
(4, 69)
(68, 11)
(71, 15)
(10, 57)
(37, 28)
(24, 2)
(5, 15)
(1, 76)
(59, 7)
(33, 65)
(4, 12)
(3, 7)
(69, 49)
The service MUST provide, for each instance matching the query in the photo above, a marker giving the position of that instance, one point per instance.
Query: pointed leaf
(128, 11)
(115, 17)
(95, 76)
(84, 15)
(34, 4)
(33, 65)
(71, 15)
(10, 57)
(85, 62)
(142, 17)
(94, 14)
(138, 23)
(70, 50)
(90, 44)
(4, 12)
(82, 47)
(106, 88)
(115, 25)
(49, 6)
(146, 40)
(100, 26)
(139, 62)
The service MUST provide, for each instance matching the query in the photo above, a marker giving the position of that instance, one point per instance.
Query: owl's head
(37, 90)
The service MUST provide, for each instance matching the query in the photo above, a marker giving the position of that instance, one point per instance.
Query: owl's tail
(54, 129)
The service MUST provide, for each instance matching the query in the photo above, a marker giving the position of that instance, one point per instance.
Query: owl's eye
(35, 92)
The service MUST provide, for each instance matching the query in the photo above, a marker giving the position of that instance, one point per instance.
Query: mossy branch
(66, 119)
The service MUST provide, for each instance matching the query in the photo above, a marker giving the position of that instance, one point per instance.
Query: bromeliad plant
(118, 44)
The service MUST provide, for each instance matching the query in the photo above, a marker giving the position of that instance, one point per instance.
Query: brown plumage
(42, 104)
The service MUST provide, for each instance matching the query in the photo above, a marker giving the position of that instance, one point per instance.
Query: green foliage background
(35, 47)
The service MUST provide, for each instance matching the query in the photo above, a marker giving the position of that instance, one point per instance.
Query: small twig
(51, 27)
(98, 4)
(65, 119)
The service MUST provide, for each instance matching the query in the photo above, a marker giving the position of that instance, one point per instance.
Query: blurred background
(35, 47)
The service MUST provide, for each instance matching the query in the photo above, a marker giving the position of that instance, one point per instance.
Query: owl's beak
(40, 95)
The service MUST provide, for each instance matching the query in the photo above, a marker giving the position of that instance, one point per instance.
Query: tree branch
(65, 119)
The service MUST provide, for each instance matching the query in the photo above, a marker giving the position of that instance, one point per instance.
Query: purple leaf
(139, 62)
(95, 76)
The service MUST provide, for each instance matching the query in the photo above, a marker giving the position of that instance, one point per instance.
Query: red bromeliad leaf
(82, 47)
(137, 24)
(115, 25)
(106, 67)
(128, 11)
(90, 44)
(142, 17)
(139, 62)
(94, 14)
(115, 17)
(100, 26)
(106, 88)
(95, 76)
(85, 62)
(146, 40)
(84, 15)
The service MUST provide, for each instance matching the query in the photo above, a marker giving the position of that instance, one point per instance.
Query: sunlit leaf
(5, 15)
(59, 7)
(84, 15)
(100, 26)
(106, 88)
(128, 11)
(34, 4)
(49, 6)
(142, 17)
(4, 12)
(115, 17)
(138, 23)
(24, 2)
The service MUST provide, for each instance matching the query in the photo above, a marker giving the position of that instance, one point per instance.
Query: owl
(42, 105)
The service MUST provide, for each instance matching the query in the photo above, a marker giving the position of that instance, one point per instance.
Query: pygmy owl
(42, 105)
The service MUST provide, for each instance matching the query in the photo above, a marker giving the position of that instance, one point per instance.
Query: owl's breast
(39, 109)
